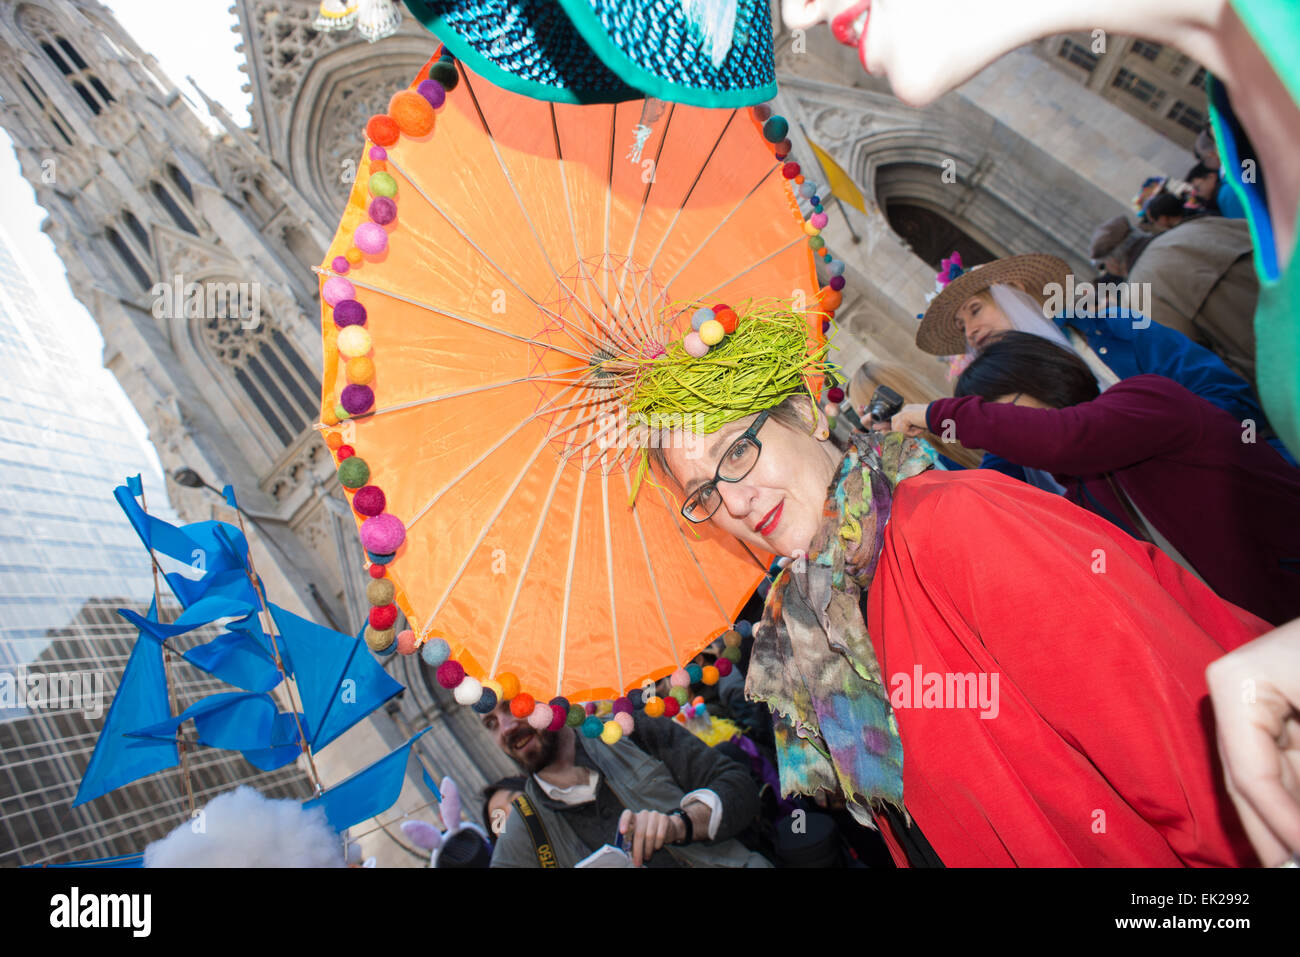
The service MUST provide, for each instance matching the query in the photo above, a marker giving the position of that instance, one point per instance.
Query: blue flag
(339, 680)
(141, 699)
(133, 483)
(203, 558)
(240, 656)
(368, 793)
(229, 492)
(239, 721)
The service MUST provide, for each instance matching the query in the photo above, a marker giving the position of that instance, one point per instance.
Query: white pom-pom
(468, 691)
(541, 717)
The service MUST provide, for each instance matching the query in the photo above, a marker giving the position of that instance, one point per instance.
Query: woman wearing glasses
(989, 674)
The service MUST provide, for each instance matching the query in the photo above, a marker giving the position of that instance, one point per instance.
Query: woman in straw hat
(917, 652)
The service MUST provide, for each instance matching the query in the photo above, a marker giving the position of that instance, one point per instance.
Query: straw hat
(940, 334)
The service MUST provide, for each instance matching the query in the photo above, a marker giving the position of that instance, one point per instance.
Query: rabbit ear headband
(425, 835)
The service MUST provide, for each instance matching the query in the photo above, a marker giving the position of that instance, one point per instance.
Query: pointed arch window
(48, 110)
(268, 370)
(181, 182)
(89, 100)
(56, 59)
(134, 225)
(45, 31)
(73, 55)
(173, 208)
(128, 258)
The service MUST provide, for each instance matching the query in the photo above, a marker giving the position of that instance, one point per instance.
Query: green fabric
(1274, 25)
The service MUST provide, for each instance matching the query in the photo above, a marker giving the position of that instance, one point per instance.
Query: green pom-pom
(382, 184)
(577, 715)
(817, 242)
(444, 71)
(681, 694)
(353, 472)
(732, 655)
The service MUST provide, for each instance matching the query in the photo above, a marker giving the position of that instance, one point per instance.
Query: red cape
(1101, 752)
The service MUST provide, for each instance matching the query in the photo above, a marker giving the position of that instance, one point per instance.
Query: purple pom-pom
(357, 398)
(621, 705)
(836, 283)
(590, 707)
(378, 153)
(433, 91)
(370, 238)
(383, 534)
(340, 264)
(349, 312)
(369, 500)
(383, 210)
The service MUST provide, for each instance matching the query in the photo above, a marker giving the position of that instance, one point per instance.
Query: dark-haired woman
(1147, 454)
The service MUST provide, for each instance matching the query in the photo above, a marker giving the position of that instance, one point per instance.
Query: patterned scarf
(813, 662)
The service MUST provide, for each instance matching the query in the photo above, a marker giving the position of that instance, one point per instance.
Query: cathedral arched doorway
(932, 237)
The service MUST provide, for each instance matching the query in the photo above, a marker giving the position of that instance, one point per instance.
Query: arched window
(173, 208)
(128, 258)
(90, 100)
(47, 110)
(72, 53)
(267, 369)
(133, 224)
(56, 59)
(45, 32)
(179, 179)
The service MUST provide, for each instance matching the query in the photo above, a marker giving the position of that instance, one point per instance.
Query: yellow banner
(839, 181)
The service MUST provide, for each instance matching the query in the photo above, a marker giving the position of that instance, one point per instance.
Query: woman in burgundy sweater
(1188, 472)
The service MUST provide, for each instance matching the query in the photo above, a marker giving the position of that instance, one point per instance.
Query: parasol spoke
(510, 180)
(568, 582)
(650, 570)
(486, 453)
(726, 282)
(543, 515)
(487, 527)
(709, 238)
(565, 324)
(461, 393)
(582, 356)
(635, 333)
(645, 195)
(609, 571)
(691, 552)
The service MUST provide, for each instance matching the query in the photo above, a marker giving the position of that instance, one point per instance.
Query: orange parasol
(478, 344)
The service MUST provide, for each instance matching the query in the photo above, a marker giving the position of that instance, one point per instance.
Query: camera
(884, 405)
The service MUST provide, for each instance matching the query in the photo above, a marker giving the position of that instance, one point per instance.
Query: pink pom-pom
(340, 264)
(336, 289)
(624, 719)
(406, 642)
(383, 534)
(680, 679)
(369, 501)
(378, 153)
(370, 238)
(558, 718)
(450, 673)
(819, 220)
(542, 716)
(694, 345)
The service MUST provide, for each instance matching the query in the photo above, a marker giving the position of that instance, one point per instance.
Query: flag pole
(275, 647)
(167, 667)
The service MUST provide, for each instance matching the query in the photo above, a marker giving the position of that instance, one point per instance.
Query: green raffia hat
(769, 357)
(712, 53)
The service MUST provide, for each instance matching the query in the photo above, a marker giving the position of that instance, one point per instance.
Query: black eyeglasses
(738, 461)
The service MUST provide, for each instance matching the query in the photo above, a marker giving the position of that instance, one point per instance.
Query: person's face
(927, 47)
(980, 319)
(777, 507)
(530, 749)
(1205, 185)
(1164, 223)
(1021, 398)
(499, 808)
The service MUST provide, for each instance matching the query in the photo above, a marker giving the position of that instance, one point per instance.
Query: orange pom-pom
(509, 686)
(412, 113)
(829, 298)
(352, 255)
(728, 318)
(382, 129)
(378, 166)
(710, 675)
(328, 415)
(333, 440)
(798, 180)
(361, 370)
(522, 704)
(654, 707)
